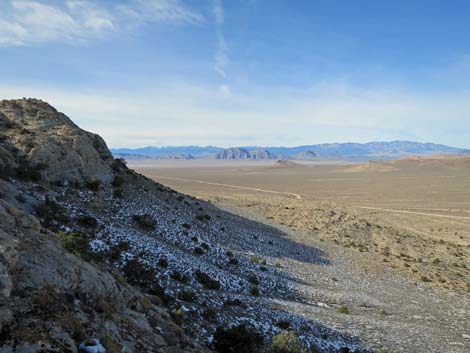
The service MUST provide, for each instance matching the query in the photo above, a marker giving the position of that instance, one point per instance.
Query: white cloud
(221, 55)
(35, 22)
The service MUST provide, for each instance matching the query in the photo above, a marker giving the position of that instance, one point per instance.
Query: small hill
(412, 162)
(282, 163)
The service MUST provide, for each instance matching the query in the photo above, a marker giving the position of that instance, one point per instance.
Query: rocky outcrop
(45, 137)
(307, 155)
(234, 153)
(242, 153)
(261, 154)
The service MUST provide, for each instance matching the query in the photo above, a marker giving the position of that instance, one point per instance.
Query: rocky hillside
(97, 258)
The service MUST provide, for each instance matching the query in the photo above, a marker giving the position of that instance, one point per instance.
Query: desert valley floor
(396, 236)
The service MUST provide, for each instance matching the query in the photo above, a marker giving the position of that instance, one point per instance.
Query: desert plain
(396, 235)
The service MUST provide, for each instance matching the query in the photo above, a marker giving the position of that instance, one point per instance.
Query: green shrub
(178, 316)
(238, 339)
(286, 342)
(343, 309)
(77, 244)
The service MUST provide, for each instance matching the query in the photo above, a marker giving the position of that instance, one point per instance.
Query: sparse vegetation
(286, 342)
(77, 244)
(342, 310)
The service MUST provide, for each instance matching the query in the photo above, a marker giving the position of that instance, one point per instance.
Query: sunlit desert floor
(396, 232)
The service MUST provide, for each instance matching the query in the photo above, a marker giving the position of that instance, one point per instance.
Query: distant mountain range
(346, 151)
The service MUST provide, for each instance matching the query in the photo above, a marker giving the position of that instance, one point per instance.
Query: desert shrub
(26, 171)
(206, 280)
(238, 339)
(177, 315)
(286, 342)
(20, 198)
(343, 309)
(210, 314)
(253, 279)
(163, 262)
(93, 185)
(77, 244)
(198, 251)
(283, 324)
(233, 261)
(233, 302)
(256, 259)
(187, 296)
(229, 253)
(177, 276)
(195, 239)
(117, 193)
(117, 181)
(139, 274)
(87, 221)
(203, 217)
(145, 221)
(119, 164)
(205, 246)
(49, 299)
(186, 226)
(115, 251)
(255, 291)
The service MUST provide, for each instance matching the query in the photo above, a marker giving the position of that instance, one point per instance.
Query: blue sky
(244, 72)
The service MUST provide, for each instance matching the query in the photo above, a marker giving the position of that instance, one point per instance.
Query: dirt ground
(413, 216)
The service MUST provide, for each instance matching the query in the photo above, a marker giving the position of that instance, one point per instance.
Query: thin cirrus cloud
(221, 55)
(28, 22)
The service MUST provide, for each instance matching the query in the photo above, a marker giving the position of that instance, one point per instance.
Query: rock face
(46, 137)
(234, 153)
(307, 155)
(242, 153)
(261, 154)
